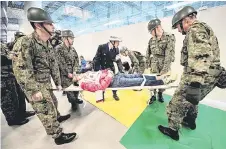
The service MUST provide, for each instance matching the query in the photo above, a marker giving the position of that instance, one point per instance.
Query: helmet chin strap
(181, 26)
(155, 33)
(45, 29)
(68, 41)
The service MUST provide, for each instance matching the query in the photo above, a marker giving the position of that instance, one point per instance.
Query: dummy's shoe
(115, 96)
(29, 114)
(137, 90)
(98, 101)
(65, 138)
(152, 99)
(169, 132)
(18, 122)
(189, 123)
(63, 118)
(160, 97)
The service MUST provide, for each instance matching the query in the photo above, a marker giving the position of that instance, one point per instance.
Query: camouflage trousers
(47, 113)
(221, 83)
(12, 100)
(179, 108)
(72, 96)
(157, 65)
(141, 67)
(55, 102)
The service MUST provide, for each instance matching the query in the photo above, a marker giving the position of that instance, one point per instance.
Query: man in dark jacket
(105, 56)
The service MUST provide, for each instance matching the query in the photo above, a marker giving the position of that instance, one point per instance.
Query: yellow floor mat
(127, 109)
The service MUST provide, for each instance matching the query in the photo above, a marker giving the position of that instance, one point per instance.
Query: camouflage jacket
(6, 62)
(68, 59)
(200, 52)
(161, 49)
(34, 64)
(136, 58)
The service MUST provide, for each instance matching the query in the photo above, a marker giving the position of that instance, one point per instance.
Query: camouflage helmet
(67, 33)
(38, 15)
(123, 49)
(153, 24)
(180, 15)
(58, 32)
(19, 34)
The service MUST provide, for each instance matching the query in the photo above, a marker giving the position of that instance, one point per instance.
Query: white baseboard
(206, 101)
(214, 103)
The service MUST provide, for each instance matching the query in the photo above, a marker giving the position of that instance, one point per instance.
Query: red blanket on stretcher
(94, 81)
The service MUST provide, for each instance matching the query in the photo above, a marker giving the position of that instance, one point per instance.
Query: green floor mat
(209, 134)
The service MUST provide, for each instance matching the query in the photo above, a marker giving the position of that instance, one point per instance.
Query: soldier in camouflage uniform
(68, 64)
(56, 38)
(33, 66)
(17, 35)
(137, 59)
(200, 56)
(13, 99)
(160, 52)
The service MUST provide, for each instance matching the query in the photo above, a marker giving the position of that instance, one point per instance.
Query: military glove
(221, 82)
(193, 93)
(75, 84)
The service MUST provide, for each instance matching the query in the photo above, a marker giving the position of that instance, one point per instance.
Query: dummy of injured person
(100, 80)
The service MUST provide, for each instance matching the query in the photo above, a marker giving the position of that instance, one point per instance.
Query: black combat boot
(18, 122)
(152, 99)
(169, 132)
(160, 97)
(189, 122)
(74, 106)
(115, 96)
(79, 101)
(65, 138)
(29, 114)
(64, 93)
(63, 118)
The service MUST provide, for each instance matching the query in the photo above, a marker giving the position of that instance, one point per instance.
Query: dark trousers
(128, 80)
(13, 100)
(72, 96)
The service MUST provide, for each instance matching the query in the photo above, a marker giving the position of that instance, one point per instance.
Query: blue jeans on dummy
(128, 80)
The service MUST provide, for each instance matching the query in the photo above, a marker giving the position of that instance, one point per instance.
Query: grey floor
(96, 130)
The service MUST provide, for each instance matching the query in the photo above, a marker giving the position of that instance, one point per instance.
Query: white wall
(25, 25)
(136, 37)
